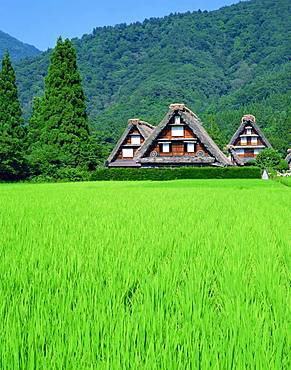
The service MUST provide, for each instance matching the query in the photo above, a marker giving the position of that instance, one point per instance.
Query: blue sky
(40, 22)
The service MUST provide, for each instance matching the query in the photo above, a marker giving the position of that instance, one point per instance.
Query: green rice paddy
(146, 275)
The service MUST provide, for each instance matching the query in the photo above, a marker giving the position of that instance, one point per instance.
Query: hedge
(165, 174)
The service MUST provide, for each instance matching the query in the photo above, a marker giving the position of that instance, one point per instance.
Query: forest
(222, 64)
(18, 50)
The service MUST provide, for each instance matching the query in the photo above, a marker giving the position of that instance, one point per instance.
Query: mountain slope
(212, 61)
(18, 50)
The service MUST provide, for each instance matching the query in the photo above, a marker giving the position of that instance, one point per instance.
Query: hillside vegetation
(18, 50)
(221, 64)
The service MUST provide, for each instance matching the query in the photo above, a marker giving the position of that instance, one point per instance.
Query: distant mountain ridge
(222, 64)
(18, 50)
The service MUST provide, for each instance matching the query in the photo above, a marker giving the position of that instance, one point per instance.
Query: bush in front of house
(268, 159)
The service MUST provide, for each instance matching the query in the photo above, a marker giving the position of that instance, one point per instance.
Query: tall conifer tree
(11, 130)
(59, 119)
(214, 131)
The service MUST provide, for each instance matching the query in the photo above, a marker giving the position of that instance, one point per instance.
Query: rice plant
(146, 275)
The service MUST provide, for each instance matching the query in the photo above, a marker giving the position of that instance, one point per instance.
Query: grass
(165, 275)
(284, 180)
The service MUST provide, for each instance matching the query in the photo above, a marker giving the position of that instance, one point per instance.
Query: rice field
(146, 275)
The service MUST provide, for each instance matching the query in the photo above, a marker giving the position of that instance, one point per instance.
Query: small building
(288, 158)
(179, 140)
(247, 142)
(124, 153)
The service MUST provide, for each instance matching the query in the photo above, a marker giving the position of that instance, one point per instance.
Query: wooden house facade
(179, 140)
(247, 142)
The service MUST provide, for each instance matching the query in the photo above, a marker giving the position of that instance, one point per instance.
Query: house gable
(247, 141)
(180, 139)
(124, 153)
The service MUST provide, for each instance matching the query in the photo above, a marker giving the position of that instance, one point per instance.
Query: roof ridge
(147, 124)
(182, 107)
(193, 114)
(138, 121)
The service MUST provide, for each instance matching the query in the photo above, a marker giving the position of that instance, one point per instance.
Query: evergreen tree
(37, 152)
(281, 138)
(12, 165)
(34, 131)
(59, 131)
(214, 131)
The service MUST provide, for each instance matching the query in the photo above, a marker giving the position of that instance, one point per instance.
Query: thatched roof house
(179, 140)
(247, 142)
(124, 153)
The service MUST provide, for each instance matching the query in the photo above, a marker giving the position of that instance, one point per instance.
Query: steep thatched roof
(144, 129)
(249, 120)
(236, 158)
(190, 119)
(288, 158)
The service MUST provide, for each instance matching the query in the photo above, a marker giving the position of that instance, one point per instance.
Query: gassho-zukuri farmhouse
(181, 140)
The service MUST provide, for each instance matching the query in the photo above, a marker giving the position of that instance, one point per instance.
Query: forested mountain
(222, 64)
(18, 50)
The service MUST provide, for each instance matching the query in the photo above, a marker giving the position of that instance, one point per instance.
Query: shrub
(268, 159)
(72, 174)
(284, 180)
(252, 162)
(64, 174)
(283, 165)
(165, 174)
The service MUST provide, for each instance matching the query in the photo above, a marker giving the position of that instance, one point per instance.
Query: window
(135, 139)
(249, 131)
(256, 151)
(127, 153)
(177, 120)
(190, 147)
(165, 148)
(240, 151)
(177, 131)
(254, 140)
(243, 140)
(249, 152)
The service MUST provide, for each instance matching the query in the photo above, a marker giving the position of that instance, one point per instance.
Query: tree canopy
(59, 135)
(11, 131)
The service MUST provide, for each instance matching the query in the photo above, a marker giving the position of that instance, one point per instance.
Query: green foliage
(268, 159)
(59, 134)
(12, 164)
(166, 174)
(146, 276)
(63, 174)
(221, 64)
(273, 116)
(283, 165)
(214, 131)
(284, 180)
